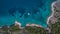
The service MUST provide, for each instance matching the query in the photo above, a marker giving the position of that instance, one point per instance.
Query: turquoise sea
(25, 11)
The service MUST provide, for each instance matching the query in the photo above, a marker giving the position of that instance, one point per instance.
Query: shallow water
(25, 11)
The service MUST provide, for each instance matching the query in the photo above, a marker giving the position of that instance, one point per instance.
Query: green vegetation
(4, 28)
(12, 28)
(36, 30)
(15, 28)
(55, 28)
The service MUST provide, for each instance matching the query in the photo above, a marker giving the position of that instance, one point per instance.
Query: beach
(33, 25)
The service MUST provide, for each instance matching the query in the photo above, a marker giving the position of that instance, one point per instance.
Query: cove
(25, 11)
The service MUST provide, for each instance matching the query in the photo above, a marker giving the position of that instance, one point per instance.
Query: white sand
(33, 25)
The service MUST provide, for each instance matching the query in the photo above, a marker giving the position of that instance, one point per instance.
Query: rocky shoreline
(51, 19)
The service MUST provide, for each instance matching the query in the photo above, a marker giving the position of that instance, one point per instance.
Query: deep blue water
(25, 11)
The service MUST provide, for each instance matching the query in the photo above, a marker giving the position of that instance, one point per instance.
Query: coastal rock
(17, 23)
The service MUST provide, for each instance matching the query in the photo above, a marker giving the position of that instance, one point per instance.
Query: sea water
(25, 12)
